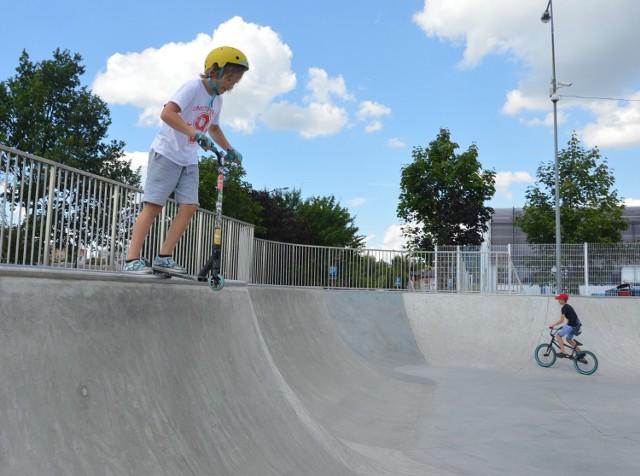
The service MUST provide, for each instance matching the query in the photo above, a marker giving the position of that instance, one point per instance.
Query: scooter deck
(172, 274)
(216, 283)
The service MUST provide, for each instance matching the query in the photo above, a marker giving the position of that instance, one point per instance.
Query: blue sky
(339, 92)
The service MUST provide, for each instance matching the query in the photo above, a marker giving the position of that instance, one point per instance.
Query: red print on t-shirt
(201, 123)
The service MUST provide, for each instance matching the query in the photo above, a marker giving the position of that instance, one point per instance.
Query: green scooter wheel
(216, 282)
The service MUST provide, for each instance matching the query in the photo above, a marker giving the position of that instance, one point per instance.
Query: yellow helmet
(224, 55)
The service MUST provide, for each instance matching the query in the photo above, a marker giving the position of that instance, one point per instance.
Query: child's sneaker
(137, 266)
(581, 358)
(168, 263)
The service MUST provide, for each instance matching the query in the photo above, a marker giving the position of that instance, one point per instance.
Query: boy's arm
(171, 116)
(218, 136)
(560, 321)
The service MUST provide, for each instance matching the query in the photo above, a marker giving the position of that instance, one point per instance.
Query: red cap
(562, 297)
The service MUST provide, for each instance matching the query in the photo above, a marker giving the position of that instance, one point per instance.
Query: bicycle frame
(554, 342)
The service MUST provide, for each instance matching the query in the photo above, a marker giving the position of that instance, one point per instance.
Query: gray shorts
(165, 177)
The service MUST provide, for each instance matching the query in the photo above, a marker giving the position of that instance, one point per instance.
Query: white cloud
(395, 142)
(504, 180)
(603, 64)
(322, 87)
(357, 202)
(517, 102)
(392, 240)
(13, 215)
(374, 126)
(148, 78)
(632, 202)
(138, 159)
(616, 125)
(319, 116)
(372, 111)
(314, 120)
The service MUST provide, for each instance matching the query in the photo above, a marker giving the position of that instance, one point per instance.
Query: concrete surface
(104, 374)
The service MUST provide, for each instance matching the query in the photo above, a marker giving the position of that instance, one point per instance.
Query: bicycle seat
(577, 342)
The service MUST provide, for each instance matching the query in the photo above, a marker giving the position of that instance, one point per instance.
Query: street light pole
(546, 17)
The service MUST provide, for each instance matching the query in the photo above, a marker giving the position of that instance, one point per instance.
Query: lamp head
(546, 16)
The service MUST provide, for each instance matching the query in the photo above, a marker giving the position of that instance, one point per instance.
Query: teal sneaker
(138, 266)
(169, 264)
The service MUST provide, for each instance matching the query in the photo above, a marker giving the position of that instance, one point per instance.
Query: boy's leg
(572, 343)
(141, 228)
(178, 225)
(561, 344)
(565, 331)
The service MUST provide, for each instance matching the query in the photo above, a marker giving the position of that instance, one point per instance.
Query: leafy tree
(327, 223)
(277, 220)
(319, 221)
(590, 210)
(46, 112)
(280, 215)
(237, 200)
(443, 194)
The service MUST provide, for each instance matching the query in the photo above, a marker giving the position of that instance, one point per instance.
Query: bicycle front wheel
(586, 362)
(545, 355)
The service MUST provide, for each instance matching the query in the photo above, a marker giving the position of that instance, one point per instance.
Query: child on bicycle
(573, 324)
(193, 111)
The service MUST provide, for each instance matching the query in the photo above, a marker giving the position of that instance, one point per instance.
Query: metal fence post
(586, 269)
(509, 267)
(458, 268)
(46, 243)
(435, 269)
(114, 226)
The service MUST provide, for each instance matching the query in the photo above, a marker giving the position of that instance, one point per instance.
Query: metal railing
(54, 215)
(443, 270)
(587, 269)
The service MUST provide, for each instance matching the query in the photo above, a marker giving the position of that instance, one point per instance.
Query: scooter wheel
(216, 282)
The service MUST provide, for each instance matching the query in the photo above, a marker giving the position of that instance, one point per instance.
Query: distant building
(503, 231)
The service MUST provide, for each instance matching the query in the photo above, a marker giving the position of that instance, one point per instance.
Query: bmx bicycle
(584, 361)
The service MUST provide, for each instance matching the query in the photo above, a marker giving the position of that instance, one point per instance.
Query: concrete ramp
(146, 378)
(497, 332)
(105, 374)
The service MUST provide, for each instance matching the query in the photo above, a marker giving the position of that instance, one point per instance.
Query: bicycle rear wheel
(586, 362)
(545, 355)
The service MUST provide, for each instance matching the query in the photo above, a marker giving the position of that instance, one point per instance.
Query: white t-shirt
(194, 102)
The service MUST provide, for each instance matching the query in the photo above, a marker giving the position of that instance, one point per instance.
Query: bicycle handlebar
(552, 329)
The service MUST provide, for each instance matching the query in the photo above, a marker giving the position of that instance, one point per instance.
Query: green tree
(237, 201)
(590, 210)
(328, 223)
(45, 111)
(443, 194)
(278, 215)
(318, 221)
(277, 220)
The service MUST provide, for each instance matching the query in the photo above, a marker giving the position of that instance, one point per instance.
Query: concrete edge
(78, 274)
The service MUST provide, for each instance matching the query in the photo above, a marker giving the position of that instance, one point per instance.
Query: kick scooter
(211, 270)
